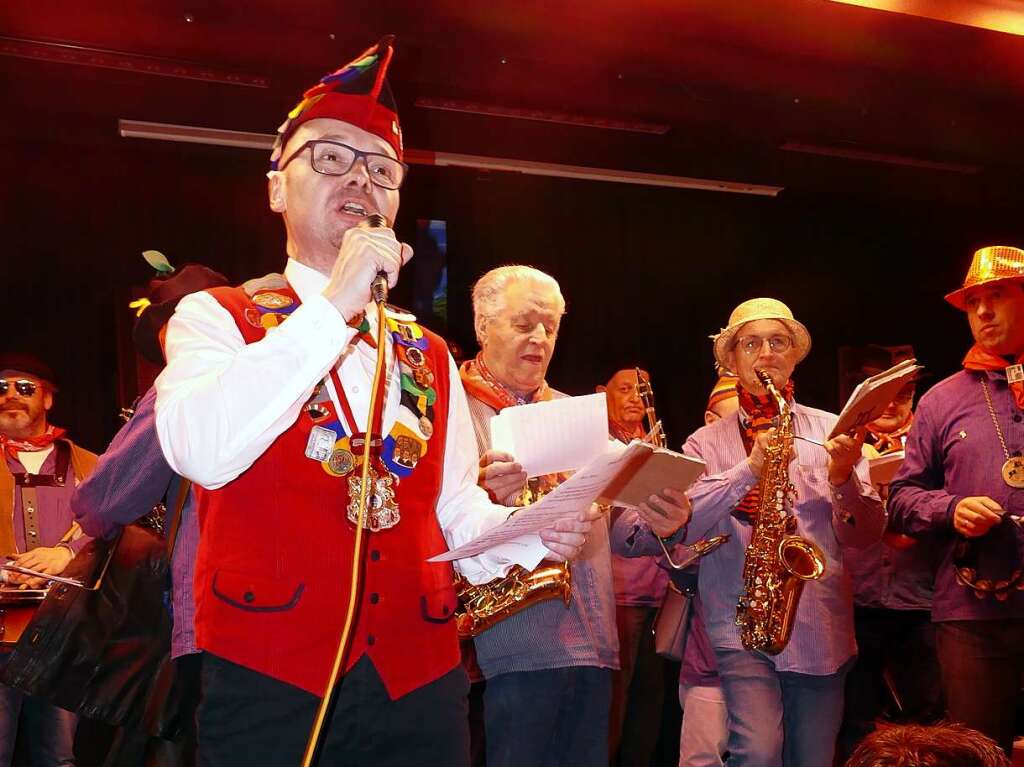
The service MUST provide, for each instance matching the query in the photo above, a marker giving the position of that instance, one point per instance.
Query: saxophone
(481, 607)
(777, 562)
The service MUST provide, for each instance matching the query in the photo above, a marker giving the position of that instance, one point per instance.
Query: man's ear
(480, 326)
(709, 418)
(600, 388)
(276, 192)
(47, 400)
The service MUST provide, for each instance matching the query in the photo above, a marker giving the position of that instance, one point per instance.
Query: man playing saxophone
(785, 695)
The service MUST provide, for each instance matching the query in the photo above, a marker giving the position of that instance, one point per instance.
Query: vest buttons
(375, 555)
(371, 639)
(374, 598)
(248, 596)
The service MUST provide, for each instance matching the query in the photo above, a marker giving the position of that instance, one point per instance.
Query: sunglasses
(23, 386)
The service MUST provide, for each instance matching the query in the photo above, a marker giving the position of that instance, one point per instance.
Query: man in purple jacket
(962, 485)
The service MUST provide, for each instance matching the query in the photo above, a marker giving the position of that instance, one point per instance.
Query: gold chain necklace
(1013, 468)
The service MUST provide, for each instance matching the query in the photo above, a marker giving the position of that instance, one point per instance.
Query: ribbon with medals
(334, 439)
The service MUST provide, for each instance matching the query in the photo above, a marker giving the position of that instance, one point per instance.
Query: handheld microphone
(379, 286)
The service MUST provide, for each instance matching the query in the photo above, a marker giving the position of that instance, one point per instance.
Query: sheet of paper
(883, 469)
(564, 502)
(553, 436)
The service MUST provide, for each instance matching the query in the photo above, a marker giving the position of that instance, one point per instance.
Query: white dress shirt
(221, 402)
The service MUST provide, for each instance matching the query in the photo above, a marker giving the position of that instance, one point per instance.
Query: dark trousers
(638, 689)
(247, 718)
(981, 664)
(895, 658)
(549, 718)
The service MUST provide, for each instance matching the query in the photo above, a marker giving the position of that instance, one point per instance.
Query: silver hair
(489, 291)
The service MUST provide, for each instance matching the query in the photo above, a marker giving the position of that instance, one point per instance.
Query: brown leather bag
(672, 622)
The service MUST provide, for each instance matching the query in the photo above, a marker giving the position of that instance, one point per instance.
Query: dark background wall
(648, 273)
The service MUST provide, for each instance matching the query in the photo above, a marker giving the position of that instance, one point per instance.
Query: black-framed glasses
(332, 158)
(23, 386)
(751, 345)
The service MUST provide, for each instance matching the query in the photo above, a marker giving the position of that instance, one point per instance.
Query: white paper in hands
(621, 475)
(564, 502)
(553, 436)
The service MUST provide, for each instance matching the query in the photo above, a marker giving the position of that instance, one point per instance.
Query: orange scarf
(981, 359)
(481, 384)
(891, 441)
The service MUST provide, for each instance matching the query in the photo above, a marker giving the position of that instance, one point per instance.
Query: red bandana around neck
(982, 359)
(481, 384)
(31, 444)
(757, 412)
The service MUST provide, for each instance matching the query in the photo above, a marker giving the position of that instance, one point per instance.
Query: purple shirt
(953, 452)
(851, 514)
(890, 578)
(54, 517)
(130, 478)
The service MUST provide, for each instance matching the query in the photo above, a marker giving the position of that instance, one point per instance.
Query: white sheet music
(553, 436)
(564, 502)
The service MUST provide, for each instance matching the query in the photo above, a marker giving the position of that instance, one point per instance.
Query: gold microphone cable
(316, 734)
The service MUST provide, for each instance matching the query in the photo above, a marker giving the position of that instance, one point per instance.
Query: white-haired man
(548, 667)
(783, 708)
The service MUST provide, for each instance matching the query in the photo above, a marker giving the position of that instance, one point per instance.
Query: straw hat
(759, 309)
(995, 263)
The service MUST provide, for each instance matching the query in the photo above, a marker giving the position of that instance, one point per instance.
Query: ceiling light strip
(264, 141)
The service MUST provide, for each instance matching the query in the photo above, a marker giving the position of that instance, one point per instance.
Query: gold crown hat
(759, 309)
(995, 263)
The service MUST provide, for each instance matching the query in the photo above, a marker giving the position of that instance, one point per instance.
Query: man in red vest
(264, 404)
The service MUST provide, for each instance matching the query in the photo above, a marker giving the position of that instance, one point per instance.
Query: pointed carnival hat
(759, 309)
(725, 388)
(996, 263)
(358, 94)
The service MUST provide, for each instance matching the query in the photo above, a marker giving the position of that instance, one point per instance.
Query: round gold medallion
(1013, 472)
(426, 427)
(270, 300)
(341, 461)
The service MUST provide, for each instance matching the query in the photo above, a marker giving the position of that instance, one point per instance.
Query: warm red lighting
(997, 15)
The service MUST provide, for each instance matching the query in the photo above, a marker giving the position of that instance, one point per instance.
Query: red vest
(273, 570)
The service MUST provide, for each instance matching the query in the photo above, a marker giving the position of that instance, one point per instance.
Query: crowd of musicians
(312, 448)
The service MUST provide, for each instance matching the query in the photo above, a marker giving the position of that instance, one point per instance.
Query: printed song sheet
(557, 435)
(625, 474)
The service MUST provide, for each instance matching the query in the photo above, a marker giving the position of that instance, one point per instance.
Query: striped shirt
(849, 515)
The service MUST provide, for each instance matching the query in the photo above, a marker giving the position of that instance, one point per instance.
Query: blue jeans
(50, 730)
(779, 717)
(549, 718)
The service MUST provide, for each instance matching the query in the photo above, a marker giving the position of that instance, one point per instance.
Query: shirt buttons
(1016, 417)
(371, 639)
(374, 555)
(374, 598)
(248, 596)
(355, 390)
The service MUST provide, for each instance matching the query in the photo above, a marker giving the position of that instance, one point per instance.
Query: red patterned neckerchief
(31, 444)
(481, 384)
(757, 413)
(624, 433)
(889, 442)
(981, 359)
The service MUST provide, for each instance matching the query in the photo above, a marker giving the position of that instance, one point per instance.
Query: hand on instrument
(976, 515)
(566, 537)
(666, 512)
(46, 559)
(363, 253)
(844, 451)
(757, 452)
(501, 476)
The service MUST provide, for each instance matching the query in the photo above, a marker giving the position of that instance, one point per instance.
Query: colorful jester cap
(358, 93)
